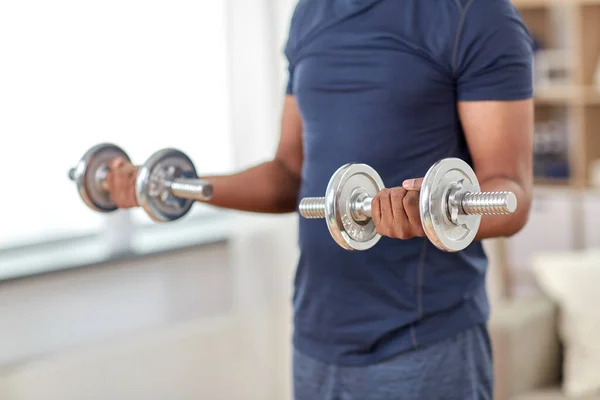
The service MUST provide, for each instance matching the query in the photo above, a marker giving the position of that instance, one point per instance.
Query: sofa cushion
(572, 281)
(552, 394)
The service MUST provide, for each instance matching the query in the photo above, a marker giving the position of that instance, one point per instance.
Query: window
(143, 75)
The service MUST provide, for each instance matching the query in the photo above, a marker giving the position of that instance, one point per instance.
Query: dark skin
(499, 136)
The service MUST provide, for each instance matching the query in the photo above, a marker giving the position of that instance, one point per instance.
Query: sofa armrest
(525, 342)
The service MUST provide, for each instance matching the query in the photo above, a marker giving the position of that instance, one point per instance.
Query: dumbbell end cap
(511, 202)
(207, 192)
(72, 174)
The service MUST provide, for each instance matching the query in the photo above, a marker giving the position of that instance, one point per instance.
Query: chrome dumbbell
(166, 184)
(451, 205)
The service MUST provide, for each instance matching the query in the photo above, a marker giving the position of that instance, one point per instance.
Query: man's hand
(121, 183)
(396, 212)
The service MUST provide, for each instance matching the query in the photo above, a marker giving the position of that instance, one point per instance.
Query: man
(398, 85)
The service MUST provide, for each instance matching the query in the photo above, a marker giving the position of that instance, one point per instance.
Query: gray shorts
(459, 368)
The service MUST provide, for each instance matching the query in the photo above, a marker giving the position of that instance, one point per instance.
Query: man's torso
(374, 81)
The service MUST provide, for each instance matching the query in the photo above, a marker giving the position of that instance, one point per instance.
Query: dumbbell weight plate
(343, 185)
(153, 185)
(441, 178)
(90, 174)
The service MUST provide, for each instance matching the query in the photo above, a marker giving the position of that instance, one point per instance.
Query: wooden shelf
(590, 96)
(552, 182)
(554, 95)
(567, 95)
(532, 4)
(577, 102)
(573, 26)
(537, 4)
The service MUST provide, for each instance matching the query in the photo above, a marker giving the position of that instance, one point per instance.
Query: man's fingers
(376, 209)
(411, 206)
(385, 210)
(116, 163)
(401, 227)
(121, 182)
(385, 205)
(129, 188)
(412, 184)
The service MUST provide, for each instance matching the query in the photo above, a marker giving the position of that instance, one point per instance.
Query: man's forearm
(266, 188)
(505, 225)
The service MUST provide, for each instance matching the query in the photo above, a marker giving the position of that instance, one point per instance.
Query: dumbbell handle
(192, 189)
(482, 203)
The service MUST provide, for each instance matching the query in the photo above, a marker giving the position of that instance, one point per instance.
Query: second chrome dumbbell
(167, 184)
(450, 202)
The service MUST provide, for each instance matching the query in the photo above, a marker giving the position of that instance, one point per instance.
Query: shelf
(591, 96)
(532, 4)
(572, 26)
(568, 95)
(551, 182)
(554, 95)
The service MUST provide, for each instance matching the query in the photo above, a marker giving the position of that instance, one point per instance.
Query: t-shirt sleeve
(290, 83)
(290, 48)
(493, 54)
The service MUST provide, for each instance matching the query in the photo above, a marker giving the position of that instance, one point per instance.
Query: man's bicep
(290, 151)
(499, 135)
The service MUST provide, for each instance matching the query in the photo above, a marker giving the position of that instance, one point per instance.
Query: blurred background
(115, 306)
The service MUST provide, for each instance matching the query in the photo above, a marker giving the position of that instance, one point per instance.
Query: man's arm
(499, 135)
(500, 139)
(270, 187)
(492, 68)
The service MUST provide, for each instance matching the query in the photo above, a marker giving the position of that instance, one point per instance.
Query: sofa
(527, 350)
(546, 344)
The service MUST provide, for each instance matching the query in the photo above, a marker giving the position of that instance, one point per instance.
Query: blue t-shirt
(377, 82)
